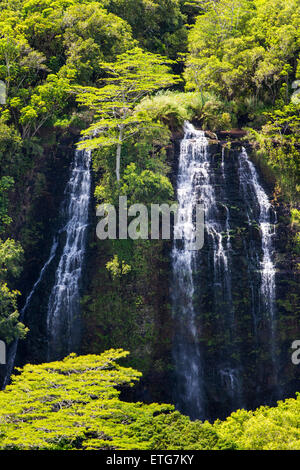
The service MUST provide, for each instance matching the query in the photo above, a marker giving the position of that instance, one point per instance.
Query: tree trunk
(118, 154)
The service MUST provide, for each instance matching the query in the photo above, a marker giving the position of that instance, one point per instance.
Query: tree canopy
(75, 404)
(133, 75)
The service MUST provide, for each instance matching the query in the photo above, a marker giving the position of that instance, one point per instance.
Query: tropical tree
(75, 404)
(133, 75)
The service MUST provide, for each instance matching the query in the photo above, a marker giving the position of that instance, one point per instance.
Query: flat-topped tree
(132, 76)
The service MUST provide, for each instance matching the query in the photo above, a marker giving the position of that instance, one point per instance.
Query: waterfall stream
(261, 212)
(63, 319)
(207, 285)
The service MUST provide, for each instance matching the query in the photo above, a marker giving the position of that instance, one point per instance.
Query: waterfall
(63, 320)
(260, 211)
(217, 290)
(192, 170)
(197, 182)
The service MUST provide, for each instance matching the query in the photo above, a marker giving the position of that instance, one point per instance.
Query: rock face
(232, 134)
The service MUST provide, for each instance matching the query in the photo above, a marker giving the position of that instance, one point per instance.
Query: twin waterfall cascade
(67, 254)
(207, 284)
(223, 295)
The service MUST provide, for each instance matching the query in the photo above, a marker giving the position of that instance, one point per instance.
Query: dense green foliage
(127, 74)
(247, 52)
(132, 75)
(75, 404)
(10, 259)
(173, 108)
(47, 50)
(244, 49)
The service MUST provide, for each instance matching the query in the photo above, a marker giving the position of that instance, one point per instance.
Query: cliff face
(134, 310)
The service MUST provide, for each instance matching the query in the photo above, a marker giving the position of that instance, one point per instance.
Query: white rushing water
(63, 318)
(187, 358)
(261, 211)
(195, 184)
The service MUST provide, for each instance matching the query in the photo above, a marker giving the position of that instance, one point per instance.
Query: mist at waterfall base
(224, 295)
(53, 304)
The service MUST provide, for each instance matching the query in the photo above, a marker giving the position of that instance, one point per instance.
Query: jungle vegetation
(75, 404)
(133, 71)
